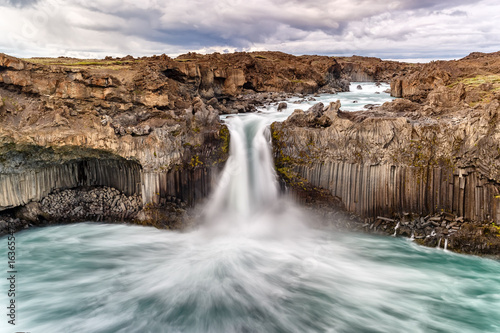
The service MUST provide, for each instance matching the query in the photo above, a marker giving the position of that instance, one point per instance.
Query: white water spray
(248, 181)
(439, 244)
(247, 199)
(446, 244)
(396, 230)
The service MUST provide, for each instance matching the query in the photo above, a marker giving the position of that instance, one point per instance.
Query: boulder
(282, 106)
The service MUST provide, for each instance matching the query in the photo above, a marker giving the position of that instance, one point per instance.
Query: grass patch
(482, 79)
(79, 62)
(478, 80)
(484, 86)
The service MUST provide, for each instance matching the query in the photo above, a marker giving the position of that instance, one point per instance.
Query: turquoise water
(115, 278)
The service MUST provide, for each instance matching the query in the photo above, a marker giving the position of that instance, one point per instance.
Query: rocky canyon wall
(391, 191)
(124, 126)
(388, 164)
(426, 165)
(33, 184)
(147, 126)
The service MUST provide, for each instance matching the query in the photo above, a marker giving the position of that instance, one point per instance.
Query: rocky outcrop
(401, 158)
(446, 84)
(223, 76)
(35, 182)
(72, 126)
(369, 69)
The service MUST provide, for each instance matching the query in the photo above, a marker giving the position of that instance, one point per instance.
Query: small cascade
(412, 237)
(439, 244)
(446, 244)
(396, 230)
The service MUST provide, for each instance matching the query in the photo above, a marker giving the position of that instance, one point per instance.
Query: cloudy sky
(399, 29)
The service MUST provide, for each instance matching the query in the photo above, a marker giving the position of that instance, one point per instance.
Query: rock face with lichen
(146, 127)
(435, 152)
(124, 126)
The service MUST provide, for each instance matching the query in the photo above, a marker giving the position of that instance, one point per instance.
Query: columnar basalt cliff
(147, 127)
(122, 125)
(437, 153)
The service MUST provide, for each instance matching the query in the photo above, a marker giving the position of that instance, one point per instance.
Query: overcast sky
(401, 29)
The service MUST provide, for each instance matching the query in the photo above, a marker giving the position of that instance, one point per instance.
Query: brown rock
(282, 106)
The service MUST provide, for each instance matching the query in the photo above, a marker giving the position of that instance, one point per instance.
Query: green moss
(296, 81)
(485, 94)
(195, 161)
(260, 57)
(224, 135)
(176, 132)
(284, 162)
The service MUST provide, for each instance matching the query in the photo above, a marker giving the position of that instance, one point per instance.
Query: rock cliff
(433, 153)
(120, 124)
(148, 127)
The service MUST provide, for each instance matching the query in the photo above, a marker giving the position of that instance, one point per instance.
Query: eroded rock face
(416, 153)
(68, 127)
(431, 153)
(159, 115)
(448, 84)
(231, 74)
(369, 69)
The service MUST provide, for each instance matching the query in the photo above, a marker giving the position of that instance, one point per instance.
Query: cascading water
(252, 267)
(246, 199)
(396, 230)
(248, 183)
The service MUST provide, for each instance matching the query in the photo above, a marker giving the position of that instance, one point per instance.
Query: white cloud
(404, 28)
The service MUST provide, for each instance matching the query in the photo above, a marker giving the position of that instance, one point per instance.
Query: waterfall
(439, 244)
(248, 184)
(446, 244)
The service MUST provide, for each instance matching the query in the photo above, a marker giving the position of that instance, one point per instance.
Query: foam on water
(116, 278)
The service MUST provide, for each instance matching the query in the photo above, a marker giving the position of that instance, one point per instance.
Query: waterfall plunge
(247, 195)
